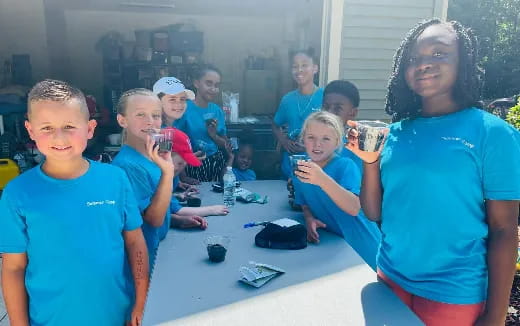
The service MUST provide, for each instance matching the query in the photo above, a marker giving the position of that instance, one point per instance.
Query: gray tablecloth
(185, 285)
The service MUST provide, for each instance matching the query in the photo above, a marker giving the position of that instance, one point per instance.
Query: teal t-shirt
(294, 108)
(193, 123)
(244, 175)
(436, 175)
(144, 176)
(362, 234)
(72, 233)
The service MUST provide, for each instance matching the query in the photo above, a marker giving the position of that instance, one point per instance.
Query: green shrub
(513, 116)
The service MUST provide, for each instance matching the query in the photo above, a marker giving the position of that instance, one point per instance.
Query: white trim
(440, 9)
(331, 41)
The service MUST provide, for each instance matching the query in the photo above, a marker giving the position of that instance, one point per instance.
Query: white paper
(285, 222)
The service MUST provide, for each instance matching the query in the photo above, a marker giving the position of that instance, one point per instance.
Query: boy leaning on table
(63, 236)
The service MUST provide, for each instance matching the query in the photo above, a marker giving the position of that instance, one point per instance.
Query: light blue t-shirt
(244, 175)
(193, 123)
(436, 174)
(344, 152)
(72, 233)
(144, 176)
(294, 108)
(362, 235)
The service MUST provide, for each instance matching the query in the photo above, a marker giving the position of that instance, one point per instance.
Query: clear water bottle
(229, 187)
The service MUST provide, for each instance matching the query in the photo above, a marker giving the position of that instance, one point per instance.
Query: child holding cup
(327, 188)
(451, 184)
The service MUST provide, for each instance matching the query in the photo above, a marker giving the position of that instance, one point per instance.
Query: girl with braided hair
(446, 184)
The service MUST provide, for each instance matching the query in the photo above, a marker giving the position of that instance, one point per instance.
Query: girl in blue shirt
(296, 106)
(204, 122)
(327, 188)
(150, 172)
(446, 185)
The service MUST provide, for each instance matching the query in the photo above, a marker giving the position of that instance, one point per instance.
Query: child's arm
(311, 173)
(371, 188)
(371, 191)
(501, 256)
(220, 140)
(13, 285)
(287, 144)
(312, 224)
(231, 159)
(138, 259)
(204, 210)
(160, 203)
(188, 221)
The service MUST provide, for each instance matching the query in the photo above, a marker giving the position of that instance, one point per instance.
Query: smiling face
(244, 157)
(433, 62)
(320, 141)
(60, 129)
(208, 86)
(303, 69)
(340, 105)
(142, 115)
(174, 105)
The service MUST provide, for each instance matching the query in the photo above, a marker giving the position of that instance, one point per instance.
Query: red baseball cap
(182, 146)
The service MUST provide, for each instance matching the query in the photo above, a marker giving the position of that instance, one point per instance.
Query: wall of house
(372, 31)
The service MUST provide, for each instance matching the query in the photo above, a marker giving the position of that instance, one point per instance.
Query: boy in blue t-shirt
(341, 98)
(62, 236)
(241, 161)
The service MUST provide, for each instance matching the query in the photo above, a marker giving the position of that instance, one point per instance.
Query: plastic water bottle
(229, 187)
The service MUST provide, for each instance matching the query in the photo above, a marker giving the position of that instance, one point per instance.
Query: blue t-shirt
(244, 175)
(344, 152)
(436, 174)
(293, 110)
(72, 233)
(362, 234)
(144, 176)
(193, 123)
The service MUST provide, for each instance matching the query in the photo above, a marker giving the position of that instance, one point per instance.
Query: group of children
(434, 212)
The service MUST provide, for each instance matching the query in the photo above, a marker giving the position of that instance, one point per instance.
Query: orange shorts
(434, 313)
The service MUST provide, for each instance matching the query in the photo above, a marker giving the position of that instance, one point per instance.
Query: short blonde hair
(328, 119)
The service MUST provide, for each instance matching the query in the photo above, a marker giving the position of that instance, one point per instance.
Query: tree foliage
(497, 25)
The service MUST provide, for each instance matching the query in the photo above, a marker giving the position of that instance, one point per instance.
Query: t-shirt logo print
(101, 202)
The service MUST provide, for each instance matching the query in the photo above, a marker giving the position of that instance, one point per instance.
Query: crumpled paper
(247, 196)
(258, 274)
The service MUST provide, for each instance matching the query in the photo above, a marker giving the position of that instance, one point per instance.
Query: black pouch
(275, 236)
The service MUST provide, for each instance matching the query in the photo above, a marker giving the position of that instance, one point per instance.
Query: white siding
(372, 31)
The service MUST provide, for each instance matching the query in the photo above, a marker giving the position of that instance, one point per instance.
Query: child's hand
(200, 155)
(163, 160)
(212, 128)
(187, 187)
(310, 172)
(291, 146)
(353, 145)
(186, 222)
(136, 317)
(313, 224)
(218, 210)
(189, 180)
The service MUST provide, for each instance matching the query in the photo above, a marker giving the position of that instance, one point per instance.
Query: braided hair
(402, 102)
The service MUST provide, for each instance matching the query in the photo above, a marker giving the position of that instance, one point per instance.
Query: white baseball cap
(172, 86)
